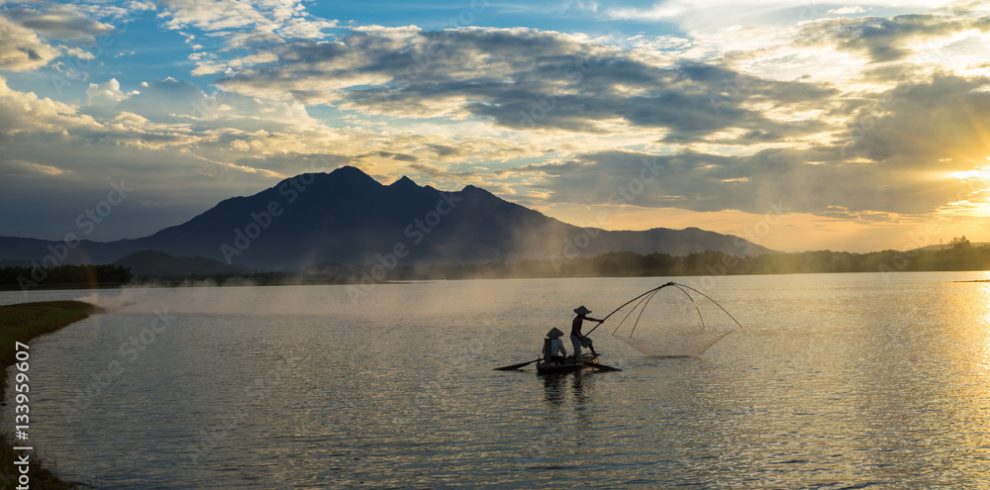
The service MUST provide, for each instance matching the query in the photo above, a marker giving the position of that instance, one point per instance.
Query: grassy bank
(64, 286)
(22, 323)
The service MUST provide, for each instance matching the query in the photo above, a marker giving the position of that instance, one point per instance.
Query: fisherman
(553, 347)
(578, 339)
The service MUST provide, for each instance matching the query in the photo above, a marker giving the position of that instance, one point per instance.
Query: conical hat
(581, 310)
(555, 333)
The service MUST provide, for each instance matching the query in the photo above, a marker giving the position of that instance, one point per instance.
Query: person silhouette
(553, 347)
(578, 339)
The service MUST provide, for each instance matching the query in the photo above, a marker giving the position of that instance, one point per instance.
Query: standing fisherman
(578, 339)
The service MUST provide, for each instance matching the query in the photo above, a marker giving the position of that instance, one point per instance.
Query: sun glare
(986, 295)
(982, 173)
(977, 203)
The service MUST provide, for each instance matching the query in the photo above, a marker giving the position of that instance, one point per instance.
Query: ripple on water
(836, 381)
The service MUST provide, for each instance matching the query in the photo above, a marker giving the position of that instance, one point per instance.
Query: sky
(800, 125)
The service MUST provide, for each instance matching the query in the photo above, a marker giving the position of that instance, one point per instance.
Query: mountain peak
(350, 172)
(348, 176)
(347, 169)
(403, 182)
(474, 189)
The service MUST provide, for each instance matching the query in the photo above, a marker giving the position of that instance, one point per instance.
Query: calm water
(835, 381)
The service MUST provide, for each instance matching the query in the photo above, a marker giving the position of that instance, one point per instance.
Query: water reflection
(836, 381)
(553, 389)
(556, 387)
(577, 389)
(986, 304)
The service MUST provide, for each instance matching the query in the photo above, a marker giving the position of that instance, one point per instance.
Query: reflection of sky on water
(846, 379)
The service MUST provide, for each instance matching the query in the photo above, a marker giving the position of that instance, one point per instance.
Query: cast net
(673, 320)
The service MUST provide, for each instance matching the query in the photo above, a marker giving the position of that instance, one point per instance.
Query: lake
(834, 381)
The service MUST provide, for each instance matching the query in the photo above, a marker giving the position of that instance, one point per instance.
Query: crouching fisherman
(578, 339)
(553, 347)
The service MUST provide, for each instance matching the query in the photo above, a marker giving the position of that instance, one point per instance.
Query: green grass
(22, 323)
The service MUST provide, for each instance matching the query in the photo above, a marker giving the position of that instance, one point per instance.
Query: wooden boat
(569, 365)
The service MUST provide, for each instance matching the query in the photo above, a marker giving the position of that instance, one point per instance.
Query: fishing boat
(569, 365)
(590, 361)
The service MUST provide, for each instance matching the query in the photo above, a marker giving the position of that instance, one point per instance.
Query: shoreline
(24, 322)
(64, 287)
(213, 283)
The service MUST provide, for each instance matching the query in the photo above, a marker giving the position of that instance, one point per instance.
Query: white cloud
(105, 93)
(62, 21)
(21, 49)
(210, 15)
(25, 112)
(707, 16)
(140, 6)
(853, 10)
(18, 166)
(306, 28)
(207, 63)
(245, 23)
(78, 53)
(208, 67)
(519, 78)
(658, 11)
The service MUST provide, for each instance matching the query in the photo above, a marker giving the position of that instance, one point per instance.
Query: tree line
(959, 255)
(68, 276)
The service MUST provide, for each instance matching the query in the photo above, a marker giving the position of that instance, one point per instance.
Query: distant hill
(149, 263)
(946, 246)
(347, 217)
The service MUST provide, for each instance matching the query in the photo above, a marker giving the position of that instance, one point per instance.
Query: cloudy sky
(800, 125)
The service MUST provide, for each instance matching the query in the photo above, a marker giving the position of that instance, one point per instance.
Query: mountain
(348, 217)
(149, 263)
(946, 246)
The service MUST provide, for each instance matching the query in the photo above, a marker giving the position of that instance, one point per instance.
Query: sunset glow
(844, 120)
(499, 244)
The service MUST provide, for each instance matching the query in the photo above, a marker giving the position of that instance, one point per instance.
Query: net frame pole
(654, 291)
(627, 304)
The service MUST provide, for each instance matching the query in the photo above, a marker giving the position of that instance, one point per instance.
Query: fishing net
(673, 320)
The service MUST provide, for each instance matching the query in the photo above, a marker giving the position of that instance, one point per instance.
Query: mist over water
(834, 380)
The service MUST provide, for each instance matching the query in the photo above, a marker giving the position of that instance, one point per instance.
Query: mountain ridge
(347, 216)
